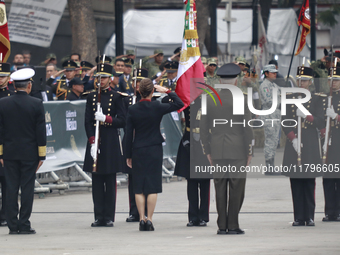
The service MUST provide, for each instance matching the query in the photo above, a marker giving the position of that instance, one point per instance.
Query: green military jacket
(212, 80)
(320, 77)
(152, 67)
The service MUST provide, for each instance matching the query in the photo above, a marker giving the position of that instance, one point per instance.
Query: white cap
(24, 74)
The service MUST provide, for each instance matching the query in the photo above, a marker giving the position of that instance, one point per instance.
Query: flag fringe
(190, 34)
(193, 52)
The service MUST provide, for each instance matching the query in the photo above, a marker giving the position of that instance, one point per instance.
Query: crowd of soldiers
(119, 80)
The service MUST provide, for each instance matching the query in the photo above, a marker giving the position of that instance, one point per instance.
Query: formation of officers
(115, 88)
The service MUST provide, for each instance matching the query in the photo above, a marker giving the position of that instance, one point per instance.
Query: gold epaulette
(122, 93)
(320, 94)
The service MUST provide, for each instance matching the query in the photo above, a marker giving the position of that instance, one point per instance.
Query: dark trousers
(331, 188)
(303, 193)
(19, 174)
(198, 191)
(132, 199)
(104, 189)
(228, 204)
(3, 199)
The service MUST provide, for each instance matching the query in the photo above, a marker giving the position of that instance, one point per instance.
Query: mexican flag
(191, 69)
(5, 45)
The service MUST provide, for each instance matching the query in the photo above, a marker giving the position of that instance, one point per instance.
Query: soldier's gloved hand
(331, 113)
(295, 144)
(299, 113)
(100, 116)
(93, 151)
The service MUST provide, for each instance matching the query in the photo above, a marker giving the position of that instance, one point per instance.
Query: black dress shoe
(310, 223)
(221, 232)
(142, 225)
(13, 232)
(108, 223)
(98, 223)
(132, 218)
(202, 223)
(3, 223)
(236, 231)
(329, 218)
(27, 231)
(149, 226)
(298, 223)
(192, 223)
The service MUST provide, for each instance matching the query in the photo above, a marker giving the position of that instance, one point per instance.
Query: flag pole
(291, 59)
(297, 35)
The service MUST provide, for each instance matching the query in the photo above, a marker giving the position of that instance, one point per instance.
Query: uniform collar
(20, 92)
(145, 99)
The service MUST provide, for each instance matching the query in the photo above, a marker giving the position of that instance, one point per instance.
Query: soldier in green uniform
(204, 62)
(61, 87)
(227, 145)
(153, 67)
(243, 82)
(211, 78)
(170, 81)
(320, 68)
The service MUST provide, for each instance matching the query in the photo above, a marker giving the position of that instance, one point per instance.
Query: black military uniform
(61, 87)
(303, 179)
(4, 92)
(22, 145)
(171, 67)
(72, 95)
(125, 81)
(227, 145)
(190, 151)
(110, 157)
(331, 179)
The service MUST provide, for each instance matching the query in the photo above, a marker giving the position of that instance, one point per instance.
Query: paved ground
(63, 225)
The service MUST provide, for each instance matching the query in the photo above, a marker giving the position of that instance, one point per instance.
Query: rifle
(135, 82)
(97, 134)
(328, 121)
(299, 121)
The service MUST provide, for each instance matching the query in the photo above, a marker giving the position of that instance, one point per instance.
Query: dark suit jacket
(22, 128)
(144, 119)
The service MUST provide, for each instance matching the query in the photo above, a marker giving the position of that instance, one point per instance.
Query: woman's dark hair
(145, 87)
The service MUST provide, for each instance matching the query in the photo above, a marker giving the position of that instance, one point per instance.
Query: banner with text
(34, 21)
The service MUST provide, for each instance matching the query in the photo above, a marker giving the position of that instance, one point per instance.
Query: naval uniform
(109, 160)
(302, 179)
(331, 179)
(4, 92)
(190, 154)
(22, 145)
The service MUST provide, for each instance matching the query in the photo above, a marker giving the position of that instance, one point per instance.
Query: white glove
(295, 144)
(93, 151)
(331, 113)
(299, 113)
(100, 116)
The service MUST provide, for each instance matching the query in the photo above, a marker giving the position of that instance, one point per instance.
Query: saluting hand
(161, 89)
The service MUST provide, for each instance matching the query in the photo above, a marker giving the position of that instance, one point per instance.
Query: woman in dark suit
(144, 151)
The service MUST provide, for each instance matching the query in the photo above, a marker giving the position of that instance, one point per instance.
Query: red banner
(304, 20)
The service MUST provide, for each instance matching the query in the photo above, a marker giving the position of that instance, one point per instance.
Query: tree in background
(84, 35)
